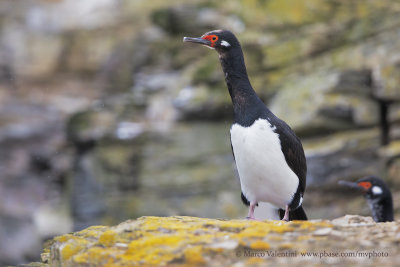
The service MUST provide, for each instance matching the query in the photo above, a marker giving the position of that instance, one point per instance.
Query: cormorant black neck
(244, 99)
(382, 208)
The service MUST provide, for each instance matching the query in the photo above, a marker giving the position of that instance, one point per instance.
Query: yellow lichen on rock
(71, 247)
(108, 238)
(154, 249)
(259, 245)
(190, 241)
(193, 255)
(163, 240)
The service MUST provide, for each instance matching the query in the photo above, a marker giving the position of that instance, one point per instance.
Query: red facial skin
(365, 185)
(212, 38)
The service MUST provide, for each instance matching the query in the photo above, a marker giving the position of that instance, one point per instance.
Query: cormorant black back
(378, 196)
(269, 156)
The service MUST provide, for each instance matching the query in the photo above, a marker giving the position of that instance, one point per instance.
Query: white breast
(264, 174)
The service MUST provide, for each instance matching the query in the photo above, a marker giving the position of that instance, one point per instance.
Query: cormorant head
(371, 186)
(220, 40)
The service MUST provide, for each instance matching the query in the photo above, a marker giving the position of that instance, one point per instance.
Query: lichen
(193, 255)
(72, 247)
(260, 245)
(108, 238)
(162, 240)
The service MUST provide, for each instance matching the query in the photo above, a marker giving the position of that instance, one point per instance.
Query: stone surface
(326, 97)
(192, 241)
(387, 80)
(342, 155)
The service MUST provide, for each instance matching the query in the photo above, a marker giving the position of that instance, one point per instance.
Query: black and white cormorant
(378, 196)
(269, 156)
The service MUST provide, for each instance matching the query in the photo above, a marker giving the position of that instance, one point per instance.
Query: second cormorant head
(378, 196)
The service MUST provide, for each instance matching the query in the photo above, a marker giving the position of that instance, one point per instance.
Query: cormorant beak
(197, 41)
(352, 185)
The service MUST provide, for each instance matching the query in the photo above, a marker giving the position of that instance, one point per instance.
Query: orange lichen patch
(259, 245)
(108, 238)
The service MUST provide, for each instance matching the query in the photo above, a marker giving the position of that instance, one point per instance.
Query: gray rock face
(107, 115)
(327, 102)
(387, 83)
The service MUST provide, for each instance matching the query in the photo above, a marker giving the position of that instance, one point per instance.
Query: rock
(117, 163)
(393, 172)
(315, 100)
(87, 127)
(343, 155)
(78, 54)
(391, 151)
(203, 103)
(65, 15)
(394, 113)
(353, 220)
(14, 230)
(355, 82)
(181, 19)
(387, 81)
(205, 96)
(194, 19)
(190, 169)
(127, 59)
(42, 62)
(192, 241)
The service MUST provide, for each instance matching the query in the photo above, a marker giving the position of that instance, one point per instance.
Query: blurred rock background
(106, 115)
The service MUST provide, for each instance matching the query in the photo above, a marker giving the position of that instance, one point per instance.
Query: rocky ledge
(191, 241)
